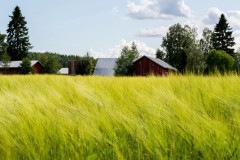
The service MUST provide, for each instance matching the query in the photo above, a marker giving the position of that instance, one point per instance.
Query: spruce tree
(222, 36)
(17, 36)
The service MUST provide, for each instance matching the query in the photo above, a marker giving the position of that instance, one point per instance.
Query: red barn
(13, 67)
(145, 65)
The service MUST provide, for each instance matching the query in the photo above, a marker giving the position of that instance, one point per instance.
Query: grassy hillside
(57, 117)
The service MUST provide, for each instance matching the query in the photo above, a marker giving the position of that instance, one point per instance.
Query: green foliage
(3, 45)
(5, 59)
(125, 61)
(237, 61)
(195, 60)
(160, 54)
(174, 43)
(17, 36)
(206, 41)
(222, 36)
(218, 60)
(86, 65)
(63, 59)
(195, 56)
(58, 117)
(50, 62)
(25, 66)
(183, 50)
(122, 67)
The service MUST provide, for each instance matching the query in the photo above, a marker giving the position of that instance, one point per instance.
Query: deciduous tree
(237, 61)
(25, 66)
(195, 56)
(4, 58)
(160, 54)
(50, 62)
(179, 44)
(219, 60)
(125, 61)
(86, 65)
(3, 44)
(205, 42)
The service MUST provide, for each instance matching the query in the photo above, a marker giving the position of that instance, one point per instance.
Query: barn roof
(16, 64)
(159, 62)
(105, 67)
(63, 71)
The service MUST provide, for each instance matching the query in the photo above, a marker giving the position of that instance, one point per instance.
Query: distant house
(63, 71)
(105, 67)
(142, 66)
(13, 67)
(147, 65)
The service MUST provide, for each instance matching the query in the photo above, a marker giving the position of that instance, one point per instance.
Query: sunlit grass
(176, 117)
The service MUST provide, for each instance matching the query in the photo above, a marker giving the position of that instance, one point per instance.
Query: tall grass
(176, 117)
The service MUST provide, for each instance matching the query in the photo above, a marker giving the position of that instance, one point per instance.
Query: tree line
(52, 62)
(213, 52)
(15, 46)
(180, 48)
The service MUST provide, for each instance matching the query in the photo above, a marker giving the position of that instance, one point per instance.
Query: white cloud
(158, 9)
(38, 51)
(142, 47)
(212, 16)
(236, 35)
(234, 19)
(152, 32)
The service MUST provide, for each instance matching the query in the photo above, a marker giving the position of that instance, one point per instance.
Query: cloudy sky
(104, 27)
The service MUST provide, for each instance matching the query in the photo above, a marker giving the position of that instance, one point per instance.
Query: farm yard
(174, 117)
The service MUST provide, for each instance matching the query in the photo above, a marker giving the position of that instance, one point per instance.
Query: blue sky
(104, 27)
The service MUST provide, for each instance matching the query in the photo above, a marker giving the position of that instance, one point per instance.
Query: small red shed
(145, 65)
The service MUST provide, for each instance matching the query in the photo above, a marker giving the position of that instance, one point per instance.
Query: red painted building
(145, 65)
(13, 67)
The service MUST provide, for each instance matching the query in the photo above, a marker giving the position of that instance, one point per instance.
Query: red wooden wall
(145, 66)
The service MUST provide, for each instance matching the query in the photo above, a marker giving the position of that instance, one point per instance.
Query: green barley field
(172, 118)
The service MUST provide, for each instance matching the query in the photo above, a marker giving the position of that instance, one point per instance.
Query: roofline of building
(37, 61)
(153, 62)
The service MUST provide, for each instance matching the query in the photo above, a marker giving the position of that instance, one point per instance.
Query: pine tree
(222, 36)
(17, 36)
